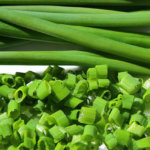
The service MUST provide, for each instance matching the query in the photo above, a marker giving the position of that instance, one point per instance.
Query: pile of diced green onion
(74, 110)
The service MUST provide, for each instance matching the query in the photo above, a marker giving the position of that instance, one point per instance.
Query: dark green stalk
(132, 19)
(67, 58)
(61, 9)
(8, 42)
(81, 2)
(82, 38)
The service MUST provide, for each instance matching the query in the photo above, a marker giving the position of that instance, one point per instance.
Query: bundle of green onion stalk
(105, 36)
(74, 110)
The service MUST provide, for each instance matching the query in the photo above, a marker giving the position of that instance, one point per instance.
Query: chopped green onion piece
(116, 117)
(19, 81)
(100, 105)
(127, 82)
(103, 83)
(59, 90)
(136, 129)
(43, 90)
(58, 133)
(139, 119)
(127, 101)
(101, 125)
(70, 81)
(6, 127)
(74, 114)
(110, 141)
(60, 146)
(8, 80)
(90, 131)
(74, 129)
(11, 148)
(29, 138)
(143, 143)
(79, 77)
(47, 77)
(47, 70)
(61, 119)
(13, 109)
(46, 119)
(30, 76)
(32, 124)
(41, 130)
(93, 85)
(81, 89)
(146, 84)
(138, 104)
(33, 87)
(73, 102)
(123, 137)
(91, 74)
(102, 71)
(45, 143)
(87, 115)
(6, 92)
(21, 93)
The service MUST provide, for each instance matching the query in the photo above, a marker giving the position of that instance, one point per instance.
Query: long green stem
(130, 38)
(67, 58)
(21, 33)
(81, 2)
(96, 20)
(82, 38)
(62, 9)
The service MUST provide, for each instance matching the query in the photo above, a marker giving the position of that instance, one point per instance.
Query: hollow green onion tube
(13, 109)
(63, 58)
(21, 93)
(79, 2)
(86, 39)
(8, 80)
(61, 9)
(96, 20)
